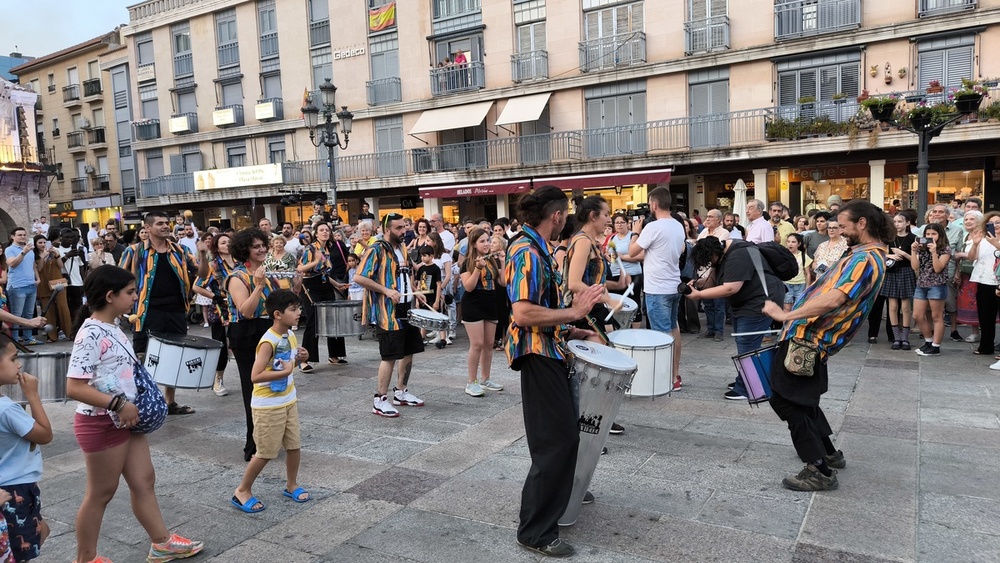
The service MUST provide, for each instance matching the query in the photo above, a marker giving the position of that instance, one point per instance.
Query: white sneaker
(448, 341)
(451, 335)
(474, 390)
(995, 366)
(382, 407)
(204, 325)
(490, 386)
(437, 337)
(405, 398)
(219, 389)
(972, 338)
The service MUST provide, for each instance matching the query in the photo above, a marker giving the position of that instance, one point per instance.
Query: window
(318, 10)
(187, 103)
(530, 37)
(527, 11)
(97, 118)
(945, 59)
(799, 18)
(52, 82)
(616, 20)
(226, 38)
(183, 60)
(191, 158)
(322, 65)
(144, 48)
(236, 153)
(55, 126)
(389, 146)
(708, 93)
(271, 86)
(276, 149)
(148, 101)
(707, 26)
(154, 163)
(820, 78)
(616, 107)
(452, 8)
(93, 69)
(267, 22)
(384, 51)
(72, 76)
(35, 86)
(232, 94)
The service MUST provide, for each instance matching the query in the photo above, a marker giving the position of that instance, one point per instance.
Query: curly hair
(243, 240)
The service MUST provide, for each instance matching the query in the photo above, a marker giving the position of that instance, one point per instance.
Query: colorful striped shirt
(142, 260)
(240, 274)
(531, 276)
(859, 275)
(313, 251)
(218, 271)
(487, 276)
(596, 271)
(382, 265)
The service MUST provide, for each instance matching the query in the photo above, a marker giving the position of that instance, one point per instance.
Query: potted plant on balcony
(968, 97)
(780, 129)
(919, 117)
(881, 107)
(839, 98)
(991, 111)
(934, 87)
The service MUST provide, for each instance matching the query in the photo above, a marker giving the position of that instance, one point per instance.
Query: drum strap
(759, 266)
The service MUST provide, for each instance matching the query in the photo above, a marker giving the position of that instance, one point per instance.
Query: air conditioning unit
(84, 123)
(89, 169)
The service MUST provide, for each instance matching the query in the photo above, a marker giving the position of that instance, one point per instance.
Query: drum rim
(59, 354)
(645, 331)
(184, 339)
(433, 315)
(610, 348)
(339, 303)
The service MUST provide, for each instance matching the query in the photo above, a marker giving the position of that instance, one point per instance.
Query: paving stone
(809, 553)
(975, 514)
(616, 528)
(262, 550)
(876, 426)
(397, 485)
(659, 496)
(488, 501)
(773, 432)
(328, 522)
(975, 437)
(964, 417)
(499, 467)
(779, 517)
(860, 526)
(943, 543)
(357, 554)
(387, 450)
(960, 470)
(671, 539)
(892, 365)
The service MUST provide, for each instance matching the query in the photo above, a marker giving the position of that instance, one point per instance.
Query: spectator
(447, 237)
(618, 247)
(74, 258)
(900, 282)
(758, 230)
(22, 283)
(265, 225)
(982, 254)
(366, 214)
(930, 261)
(188, 238)
(50, 276)
(818, 236)
(831, 251)
(112, 245)
(781, 228)
(730, 221)
(99, 256)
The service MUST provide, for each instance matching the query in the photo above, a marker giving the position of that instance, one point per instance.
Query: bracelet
(123, 403)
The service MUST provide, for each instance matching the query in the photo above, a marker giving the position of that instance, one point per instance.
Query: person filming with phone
(982, 253)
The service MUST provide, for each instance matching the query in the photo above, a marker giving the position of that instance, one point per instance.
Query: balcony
(269, 109)
(269, 45)
(55, 132)
(38, 104)
(319, 33)
(444, 9)
(229, 54)
(706, 35)
(533, 65)
(167, 185)
(183, 65)
(147, 130)
(624, 49)
(384, 91)
(79, 185)
(75, 141)
(927, 8)
(52, 88)
(102, 183)
(228, 116)
(803, 18)
(458, 78)
(92, 88)
(183, 123)
(96, 136)
(71, 95)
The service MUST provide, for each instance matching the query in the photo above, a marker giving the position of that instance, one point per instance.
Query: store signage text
(261, 175)
(348, 53)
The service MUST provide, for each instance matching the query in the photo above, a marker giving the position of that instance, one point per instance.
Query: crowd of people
(523, 286)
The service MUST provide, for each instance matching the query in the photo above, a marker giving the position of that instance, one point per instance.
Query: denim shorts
(661, 310)
(795, 290)
(938, 292)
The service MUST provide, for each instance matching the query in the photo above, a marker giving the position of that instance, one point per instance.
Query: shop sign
(240, 176)
(408, 203)
(17, 200)
(92, 203)
(145, 73)
(348, 52)
(136, 215)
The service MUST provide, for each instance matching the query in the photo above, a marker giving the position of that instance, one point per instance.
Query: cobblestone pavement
(694, 478)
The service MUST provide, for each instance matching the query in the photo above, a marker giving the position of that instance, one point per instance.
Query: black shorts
(397, 344)
(23, 512)
(479, 305)
(159, 322)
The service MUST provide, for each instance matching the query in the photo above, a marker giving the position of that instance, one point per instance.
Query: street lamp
(328, 136)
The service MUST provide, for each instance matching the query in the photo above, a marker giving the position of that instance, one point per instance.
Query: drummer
(481, 276)
(315, 266)
(164, 292)
(388, 283)
(247, 287)
(536, 345)
(212, 286)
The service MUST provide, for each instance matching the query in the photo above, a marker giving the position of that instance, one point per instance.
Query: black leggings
(875, 318)
(318, 291)
(244, 337)
(986, 303)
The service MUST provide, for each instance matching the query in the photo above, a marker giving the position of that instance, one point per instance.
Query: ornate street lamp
(328, 135)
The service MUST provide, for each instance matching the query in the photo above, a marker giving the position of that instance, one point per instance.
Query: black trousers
(318, 292)
(219, 334)
(243, 338)
(159, 322)
(986, 303)
(550, 428)
(875, 319)
(808, 426)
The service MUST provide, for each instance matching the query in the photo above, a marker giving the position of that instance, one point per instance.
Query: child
(429, 279)
(929, 257)
(102, 380)
(797, 285)
(273, 404)
(21, 461)
(354, 290)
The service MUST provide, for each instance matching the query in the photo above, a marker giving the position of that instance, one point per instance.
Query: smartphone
(991, 229)
(923, 240)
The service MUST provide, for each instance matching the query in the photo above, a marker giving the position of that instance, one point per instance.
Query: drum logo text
(193, 365)
(590, 424)
(152, 361)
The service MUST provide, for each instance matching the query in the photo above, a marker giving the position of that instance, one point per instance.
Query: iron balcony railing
(384, 91)
(615, 51)
(92, 87)
(147, 130)
(71, 93)
(102, 183)
(705, 35)
(188, 123)
(801, 18)
(78, 185)
(229, 54)
(452, 8)
(75, 139)
(269, 45)
(183, 65)
(167, 185)
(457, 78)
(938, 7)
(319, 33)
(96, 136)
(533, 65)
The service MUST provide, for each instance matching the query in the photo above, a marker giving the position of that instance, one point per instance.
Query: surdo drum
(338, 318)
(186, 362)
(50, 368)
(626, 313)
(653, 351)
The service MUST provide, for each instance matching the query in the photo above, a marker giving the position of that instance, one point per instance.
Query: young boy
(429, 279)
(21, 435)
(273, 403)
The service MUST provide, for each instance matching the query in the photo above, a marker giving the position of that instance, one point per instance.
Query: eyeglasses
(833, 228)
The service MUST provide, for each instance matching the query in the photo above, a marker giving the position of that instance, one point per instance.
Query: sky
(40, 27)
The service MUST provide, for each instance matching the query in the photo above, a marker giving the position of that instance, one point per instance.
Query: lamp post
(328, 136)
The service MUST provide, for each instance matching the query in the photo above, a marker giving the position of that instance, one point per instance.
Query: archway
(6, 226)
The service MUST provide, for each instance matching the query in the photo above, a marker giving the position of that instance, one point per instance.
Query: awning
(523, 108)
(578, 182)
(455, 117)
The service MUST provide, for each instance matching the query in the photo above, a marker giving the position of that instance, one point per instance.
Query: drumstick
(52, 298)
(757, 333)
(621, 302)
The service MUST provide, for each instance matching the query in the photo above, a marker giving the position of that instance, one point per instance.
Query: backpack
(780, 259)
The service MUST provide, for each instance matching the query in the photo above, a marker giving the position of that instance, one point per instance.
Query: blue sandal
(294, 495)
(249, 505)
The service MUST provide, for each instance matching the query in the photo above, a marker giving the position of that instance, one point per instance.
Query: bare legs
(935, 307)
(480, 348)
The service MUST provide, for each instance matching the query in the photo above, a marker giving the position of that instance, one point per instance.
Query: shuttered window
(820, 83)
(703, 9)
(615, 20)
(384, 51)
(947, 60)
(531, 37)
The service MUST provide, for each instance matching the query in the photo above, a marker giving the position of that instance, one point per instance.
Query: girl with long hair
(586, 263)
(796, 244)
(985, 247)
(315, 266)
(929, 257)
(618, 248)
(481, 275)
(212, 287)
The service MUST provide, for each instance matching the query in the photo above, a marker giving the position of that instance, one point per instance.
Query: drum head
(186, 341)
(426, 314)
(629, 303)
(640, 338)
(601, 355)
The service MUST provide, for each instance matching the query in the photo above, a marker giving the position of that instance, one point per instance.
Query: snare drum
(602, 375)
(755, 369)
(626, 312)
(426, 319)
(653, 351)
(186, 362)
(50, 368)
(338, 318)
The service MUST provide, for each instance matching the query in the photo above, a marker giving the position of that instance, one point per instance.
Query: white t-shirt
(760, 230)
(71, 266)
(103, 355)
(663, 241)
(191, 243)
(293, 247)
(448, 240)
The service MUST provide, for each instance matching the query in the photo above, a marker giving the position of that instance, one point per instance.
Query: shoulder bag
(149, 400)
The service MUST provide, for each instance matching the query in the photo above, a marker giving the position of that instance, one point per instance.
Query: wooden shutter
(719, 97)
(700, 102)
(850, 74)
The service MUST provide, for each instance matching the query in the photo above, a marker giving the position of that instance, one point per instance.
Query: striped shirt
(531, 277)
(311, 253)
(859, 275)
(264, 396)
(241, 275)
(142, 260)
(382, 265)
(596, 271)
(487, 276)
(218, 271)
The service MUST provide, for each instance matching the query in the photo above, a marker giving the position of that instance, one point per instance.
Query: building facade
(23, 185)
(461, 105)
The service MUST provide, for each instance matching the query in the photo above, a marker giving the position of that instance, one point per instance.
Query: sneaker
(474, 390)
(677, 385)
(972, 338)
(176, 547)
(731, 385)
(616, 428)
(489, 385)
(98, 559)
(435, 340)
(931, 351)
(205, 325)
(451, 336)
(219, 389)
(709, 334)
(924, 348)
(995, 366)
(588, 498)
(956, 336)
(810, 479)
(448, 340)
(836, 460)
(558, 548)
(718, 337)
(382, 407)
(872, 340)
(896, 345)
(733, 395)
(405, 398)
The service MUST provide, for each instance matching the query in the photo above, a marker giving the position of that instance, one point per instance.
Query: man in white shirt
(448, 239)
(292, 244)
(715, 309)
(41, 226)
(759, 229)
(660, 245)
(188, 238)
(731, 222)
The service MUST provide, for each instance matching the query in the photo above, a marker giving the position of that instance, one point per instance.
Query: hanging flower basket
(882, 112)
(968, 103)
(921, 121)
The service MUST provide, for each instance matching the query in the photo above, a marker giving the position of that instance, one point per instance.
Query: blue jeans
(22, 303)
(715, 315)
(746, 344)
(662, 311)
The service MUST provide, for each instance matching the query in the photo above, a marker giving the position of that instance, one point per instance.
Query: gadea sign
(348, 52)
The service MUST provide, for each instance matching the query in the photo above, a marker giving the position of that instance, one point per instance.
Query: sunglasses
(390, 217)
